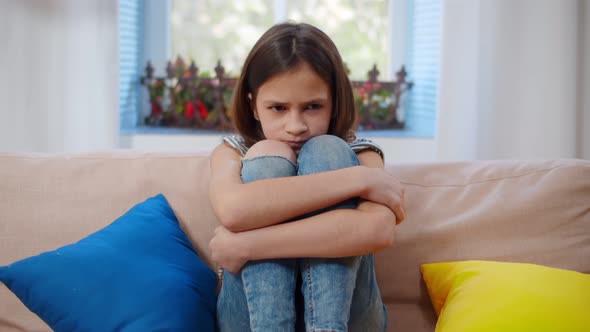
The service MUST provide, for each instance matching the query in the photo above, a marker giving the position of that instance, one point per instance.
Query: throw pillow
(494, 296)
(140, 273)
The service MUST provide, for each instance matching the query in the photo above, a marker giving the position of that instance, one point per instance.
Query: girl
(297, 196)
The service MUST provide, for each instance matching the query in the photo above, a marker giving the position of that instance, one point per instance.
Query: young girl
(298, 196)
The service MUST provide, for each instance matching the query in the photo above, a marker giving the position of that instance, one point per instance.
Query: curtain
(509, 80)
(59, 63)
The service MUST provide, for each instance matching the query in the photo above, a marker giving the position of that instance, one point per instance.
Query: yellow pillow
(492, 296)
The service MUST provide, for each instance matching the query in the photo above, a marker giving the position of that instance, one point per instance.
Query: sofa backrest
(519, 211)
(513, 211)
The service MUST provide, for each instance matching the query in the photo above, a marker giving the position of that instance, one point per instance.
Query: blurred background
(485, 79)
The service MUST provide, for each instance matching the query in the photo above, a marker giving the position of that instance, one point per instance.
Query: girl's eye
(314, 106)
(277, 108)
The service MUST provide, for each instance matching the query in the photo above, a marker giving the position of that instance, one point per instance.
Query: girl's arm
(336, 233)
(240, 207)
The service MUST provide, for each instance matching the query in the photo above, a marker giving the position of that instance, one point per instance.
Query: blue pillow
(140, 273)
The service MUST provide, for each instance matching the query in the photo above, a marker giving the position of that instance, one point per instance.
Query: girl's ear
(253, 107)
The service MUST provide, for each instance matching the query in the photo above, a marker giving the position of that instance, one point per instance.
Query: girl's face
(294, 106)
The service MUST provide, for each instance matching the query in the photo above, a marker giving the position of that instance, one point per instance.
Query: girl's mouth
(295, 145)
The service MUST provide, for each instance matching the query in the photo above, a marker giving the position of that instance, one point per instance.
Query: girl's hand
(385, 189)
(226, 250)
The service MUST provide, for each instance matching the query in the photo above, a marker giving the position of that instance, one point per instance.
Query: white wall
(527, 80)
(509, 83)
(458, 88)
(584, 82)
(59, 65)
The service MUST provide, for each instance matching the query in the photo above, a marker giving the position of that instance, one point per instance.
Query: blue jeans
(339, 294)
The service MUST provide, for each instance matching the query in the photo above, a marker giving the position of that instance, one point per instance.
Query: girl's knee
(325, 143)
(268, 159)
(324, 153)
(271, 148)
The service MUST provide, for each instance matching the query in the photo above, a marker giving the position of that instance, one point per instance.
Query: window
(357, 27)
(203, 29)
(210, 30)
(389, 33)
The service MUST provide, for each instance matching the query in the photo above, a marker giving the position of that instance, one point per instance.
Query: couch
(533, 211)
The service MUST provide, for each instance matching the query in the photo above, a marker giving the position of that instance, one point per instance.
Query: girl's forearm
(336, 233)
(267, 202)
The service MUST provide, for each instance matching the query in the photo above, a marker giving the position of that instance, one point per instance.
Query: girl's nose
(296, 124)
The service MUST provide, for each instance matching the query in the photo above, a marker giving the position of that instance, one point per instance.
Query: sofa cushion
(497, 296)
(140, 273)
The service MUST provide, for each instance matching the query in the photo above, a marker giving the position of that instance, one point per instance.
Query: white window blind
(423, 66)
(130, 37)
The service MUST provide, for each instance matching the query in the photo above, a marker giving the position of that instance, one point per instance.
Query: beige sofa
(518, 211)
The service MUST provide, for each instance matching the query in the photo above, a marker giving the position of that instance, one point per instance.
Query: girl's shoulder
(361, 144)
(237, 143)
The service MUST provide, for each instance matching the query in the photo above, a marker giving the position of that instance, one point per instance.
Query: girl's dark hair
(283, 47)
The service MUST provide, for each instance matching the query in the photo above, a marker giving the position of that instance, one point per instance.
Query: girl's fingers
(399, 214)
(399, 210)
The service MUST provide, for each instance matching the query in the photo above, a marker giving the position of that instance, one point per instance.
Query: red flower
(156, 110)
(202, 110)
(189, 110)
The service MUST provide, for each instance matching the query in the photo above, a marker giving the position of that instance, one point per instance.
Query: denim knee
(325, 153)
(264, 167)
